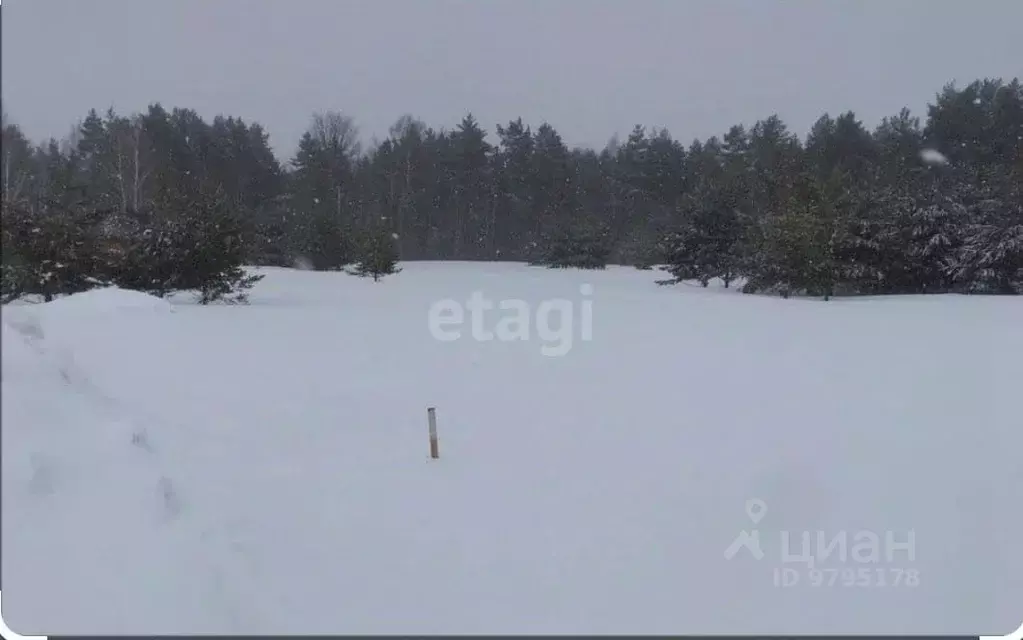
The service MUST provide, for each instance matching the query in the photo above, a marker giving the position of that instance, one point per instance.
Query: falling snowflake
(933, 156)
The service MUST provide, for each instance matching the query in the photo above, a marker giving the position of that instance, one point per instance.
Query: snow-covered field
(169, 467)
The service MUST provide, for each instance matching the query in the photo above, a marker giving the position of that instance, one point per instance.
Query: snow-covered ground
(169, 467)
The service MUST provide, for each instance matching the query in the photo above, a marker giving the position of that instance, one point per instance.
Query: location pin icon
(756, 509)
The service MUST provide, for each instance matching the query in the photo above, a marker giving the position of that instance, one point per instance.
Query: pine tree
(323, 190)
(376, 253)
(931, 232)
(515, 168)
(583, 244)
(708, 244)
(208, 252)
(50, 252)
(472, 194)
(151, 258)
(554, 208)
(798, 250)
(990, 259)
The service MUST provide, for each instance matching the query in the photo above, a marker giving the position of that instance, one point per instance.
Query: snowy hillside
(172, 468)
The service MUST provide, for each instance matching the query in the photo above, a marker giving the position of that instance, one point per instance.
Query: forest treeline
(164, 200)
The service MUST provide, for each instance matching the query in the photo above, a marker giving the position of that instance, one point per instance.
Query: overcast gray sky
(590, 67)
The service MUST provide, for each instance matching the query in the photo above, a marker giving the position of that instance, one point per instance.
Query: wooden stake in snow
(431, 413)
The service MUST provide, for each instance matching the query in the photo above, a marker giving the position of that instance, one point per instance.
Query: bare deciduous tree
(407, 134)
(338, 138)
(407, 126)
(132, 161)
(16, 157)
(70, 142)
(336, 132)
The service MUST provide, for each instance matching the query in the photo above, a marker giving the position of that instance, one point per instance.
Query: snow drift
(96, 533)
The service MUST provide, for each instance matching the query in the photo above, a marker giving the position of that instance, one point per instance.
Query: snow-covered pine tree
(798, 250)
(150, 259)
(932, 233)
(209, 248)
(711, 241)
(990, 259)
(50, 251)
